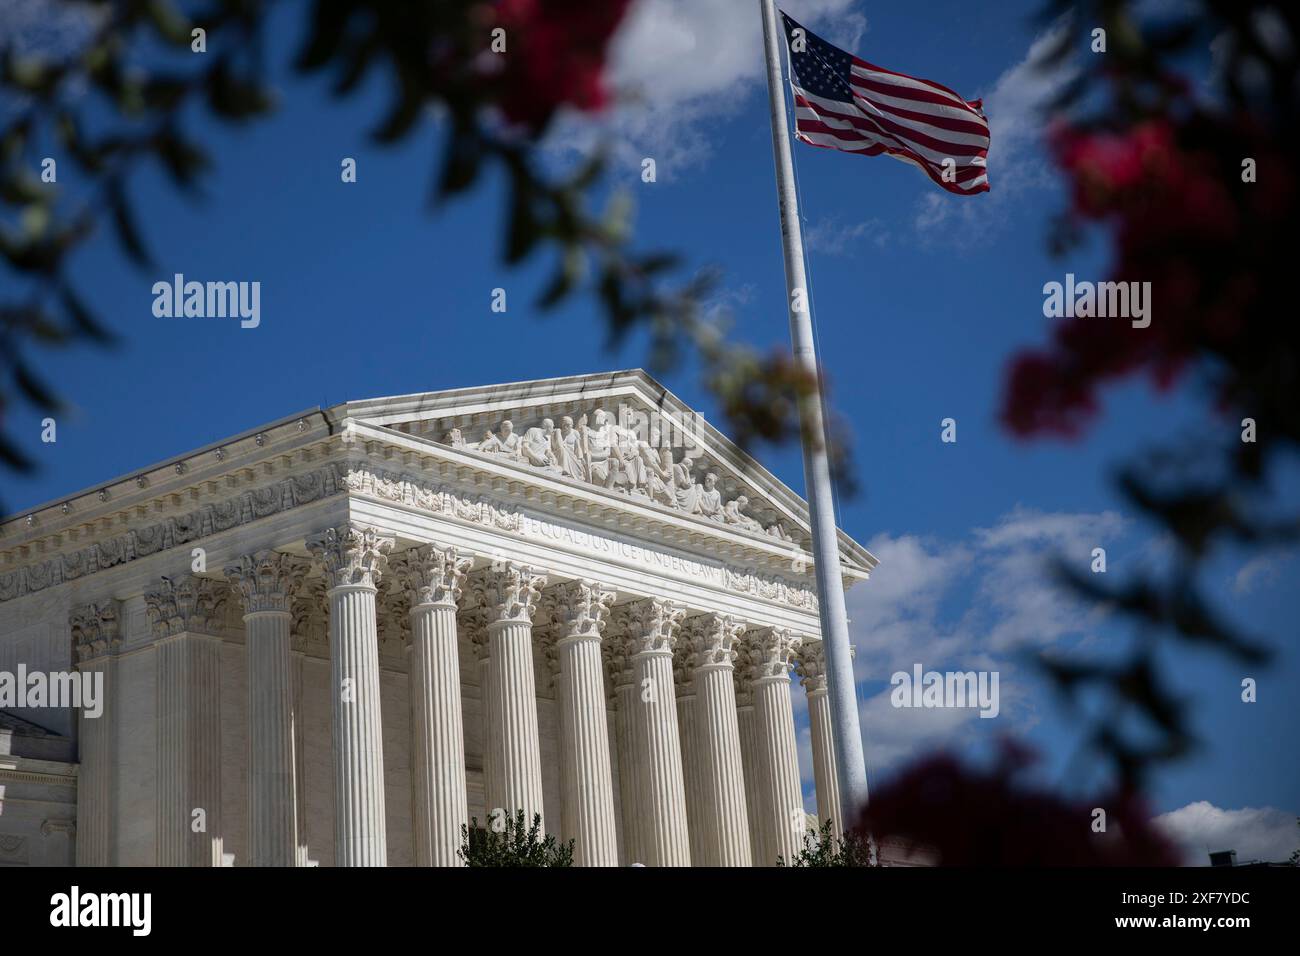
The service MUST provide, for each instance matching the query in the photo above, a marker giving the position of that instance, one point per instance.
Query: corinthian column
(512, 759)
(186, 617)
(353, 559)
(432, 578)
(630, 790)
(770, 653)
(96, 637)
(692, 778)
(265, 582)
(649, 630)
(726, 840)
(757, 799)
(579, 610)
(811, 668)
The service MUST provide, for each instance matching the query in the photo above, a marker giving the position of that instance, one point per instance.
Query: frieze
(181, 529)
(426, 496)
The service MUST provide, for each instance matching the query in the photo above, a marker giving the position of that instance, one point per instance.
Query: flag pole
(846, 731)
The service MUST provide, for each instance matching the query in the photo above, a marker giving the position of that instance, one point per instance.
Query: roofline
(415, 402)
(127, 476)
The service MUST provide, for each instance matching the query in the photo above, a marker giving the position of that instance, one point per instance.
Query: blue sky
(919, 298)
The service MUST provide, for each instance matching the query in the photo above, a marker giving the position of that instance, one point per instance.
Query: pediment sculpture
(602, 452)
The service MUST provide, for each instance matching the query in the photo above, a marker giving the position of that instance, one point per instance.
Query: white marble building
(335, 638)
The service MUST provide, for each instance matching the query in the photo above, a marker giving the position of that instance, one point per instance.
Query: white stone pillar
(579, 611)
(811, 668)
(649, 629)
(752, 758)
(96, 638)
(310, 649)
(631, 789)
(265, 583)
(770, 654)
(432, 578)
(692, 777)
(186, 616)
(353, 559)
(712, 639)
(512, 754)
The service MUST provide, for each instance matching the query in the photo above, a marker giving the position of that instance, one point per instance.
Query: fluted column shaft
(631, 789)
(783, 794)
(353, 559)
(95, 639)
(811, 668)
(272, 823)
(96, 755)
(825, 775)
(756, 801)
(431, 578)
(665, 840)
(189, 831)
(512, 751)
(266, 583)
(647, 631)
(438, 744)
(724, 776)
(515, 751)
(359, 823)
(692, 775)
(582, 693)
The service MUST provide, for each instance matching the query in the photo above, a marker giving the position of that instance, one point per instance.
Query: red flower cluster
(1184, 221)
(983, 818)
(555, 56)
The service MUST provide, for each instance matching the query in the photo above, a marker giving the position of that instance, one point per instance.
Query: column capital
(186, 603)
(310, 609)
(96, 630)
(267, 580)
(770, 653)
(431, 575)
(351, 555)
(577, 609)
(810, 665)
(650, 625)
(508, 592)
(711, 639)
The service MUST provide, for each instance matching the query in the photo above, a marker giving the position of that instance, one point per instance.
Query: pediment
(620, 433)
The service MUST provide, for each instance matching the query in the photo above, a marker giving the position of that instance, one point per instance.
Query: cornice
(381, 464)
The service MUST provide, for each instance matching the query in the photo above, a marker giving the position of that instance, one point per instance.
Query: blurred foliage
(495, 108)
(514, 845)
(956, 814)
(824, 848)
(1152, 149)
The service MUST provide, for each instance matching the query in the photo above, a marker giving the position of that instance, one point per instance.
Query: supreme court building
(335, 638)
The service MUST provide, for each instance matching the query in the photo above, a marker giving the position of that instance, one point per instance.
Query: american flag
(845, 103)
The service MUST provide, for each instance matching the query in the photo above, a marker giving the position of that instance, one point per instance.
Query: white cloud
(968, 604)
(1014, 107)
(1256, 833)
(679, 66)
(835, 237)
(1259, 570)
